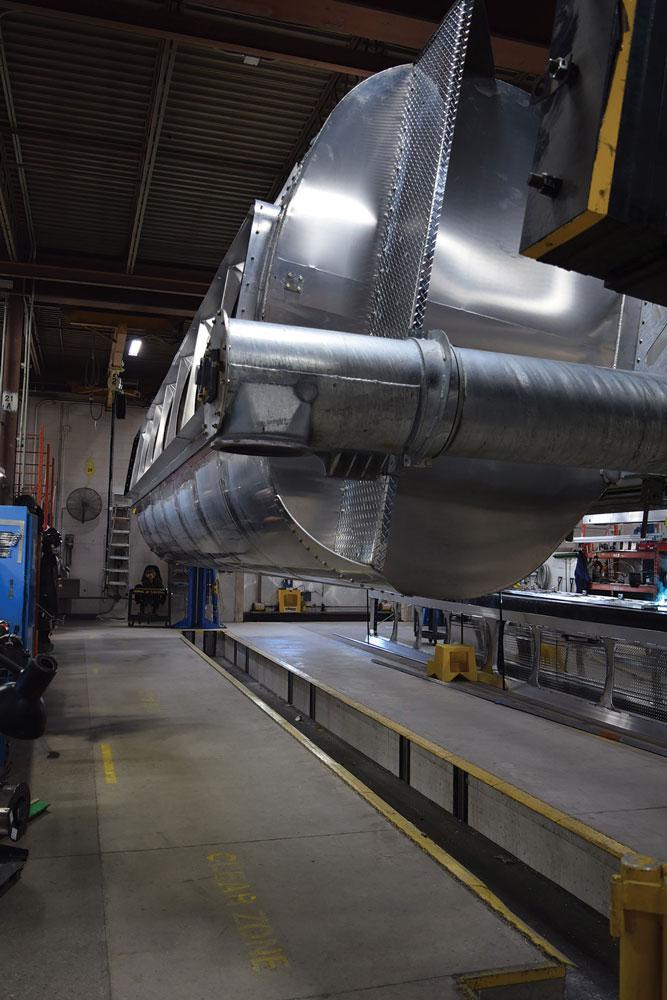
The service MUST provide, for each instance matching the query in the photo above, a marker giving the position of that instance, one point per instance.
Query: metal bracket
(294, 282)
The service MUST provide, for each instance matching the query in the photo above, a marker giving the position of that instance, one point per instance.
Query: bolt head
(558, 67)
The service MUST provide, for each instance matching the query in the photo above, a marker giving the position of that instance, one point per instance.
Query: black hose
(36, 677)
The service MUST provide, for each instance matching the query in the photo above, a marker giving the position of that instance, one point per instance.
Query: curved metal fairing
(459, 527)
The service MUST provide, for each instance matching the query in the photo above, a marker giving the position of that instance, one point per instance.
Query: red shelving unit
(646, 555)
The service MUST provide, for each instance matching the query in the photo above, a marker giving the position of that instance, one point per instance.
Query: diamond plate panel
(407, 245)
(420, 173)
(362, 532)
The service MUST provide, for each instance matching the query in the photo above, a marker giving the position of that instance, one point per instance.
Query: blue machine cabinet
(18, 571)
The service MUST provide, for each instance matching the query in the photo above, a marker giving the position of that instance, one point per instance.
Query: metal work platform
(567, 803)
(199, 846)
(609, 653)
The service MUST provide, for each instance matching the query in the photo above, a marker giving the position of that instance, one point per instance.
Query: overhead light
(134, 348)
(251, 60)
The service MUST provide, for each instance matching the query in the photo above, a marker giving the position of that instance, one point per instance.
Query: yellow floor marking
(148, 700)
(251, 922)
(437, 853)
(108, 764)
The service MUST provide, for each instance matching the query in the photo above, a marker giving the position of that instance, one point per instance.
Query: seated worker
(151, 592)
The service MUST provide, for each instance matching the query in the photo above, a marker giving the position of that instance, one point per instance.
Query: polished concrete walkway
(617, 790)
(195, 850)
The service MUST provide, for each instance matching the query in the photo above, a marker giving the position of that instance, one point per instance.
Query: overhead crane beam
(265, 41)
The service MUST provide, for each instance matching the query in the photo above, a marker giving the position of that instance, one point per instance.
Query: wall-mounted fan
(84, 504)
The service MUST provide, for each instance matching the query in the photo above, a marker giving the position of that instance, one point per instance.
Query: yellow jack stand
(452, 660)
(290, 600)
(639, 919)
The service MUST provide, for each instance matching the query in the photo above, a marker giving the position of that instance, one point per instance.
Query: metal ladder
(117, 569)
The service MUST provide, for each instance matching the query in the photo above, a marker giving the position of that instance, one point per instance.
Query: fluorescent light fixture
(135, 347)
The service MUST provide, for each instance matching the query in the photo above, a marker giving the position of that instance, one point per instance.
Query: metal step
(116, 576)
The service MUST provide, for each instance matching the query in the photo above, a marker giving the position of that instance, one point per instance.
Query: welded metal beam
(212, 33)
(519, 56)
(164, 67)
(105, 318)
(166, 283)
(409, 30)
(119, 299)
(392, 27)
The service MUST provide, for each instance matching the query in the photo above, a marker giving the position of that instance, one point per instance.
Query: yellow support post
(639, 919)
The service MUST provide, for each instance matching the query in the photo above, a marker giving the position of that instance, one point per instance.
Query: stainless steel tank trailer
(378, 388)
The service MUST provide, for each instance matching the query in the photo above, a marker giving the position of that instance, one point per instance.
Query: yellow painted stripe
(434, 851)
(496, 978)
(605, 157)
(526, 799)
(108, 764)
(579, 224)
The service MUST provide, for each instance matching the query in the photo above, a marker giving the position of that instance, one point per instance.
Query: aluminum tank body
(334, 253)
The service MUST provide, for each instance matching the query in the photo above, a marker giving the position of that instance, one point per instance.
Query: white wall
(561, 568)
(329, 594)
(80, 445)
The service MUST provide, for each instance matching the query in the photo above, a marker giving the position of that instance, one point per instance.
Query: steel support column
(11, 383)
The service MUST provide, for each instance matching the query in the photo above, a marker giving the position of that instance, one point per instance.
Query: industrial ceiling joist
(214, 34)
(164, 69)
(167, 283)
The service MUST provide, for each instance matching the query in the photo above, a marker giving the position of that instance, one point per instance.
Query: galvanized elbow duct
(289, 389)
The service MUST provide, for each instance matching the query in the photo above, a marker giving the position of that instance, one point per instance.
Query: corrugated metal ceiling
(83, 98)
(229, 133)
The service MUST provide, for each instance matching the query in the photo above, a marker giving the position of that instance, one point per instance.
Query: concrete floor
(619, 790)
(193, 849)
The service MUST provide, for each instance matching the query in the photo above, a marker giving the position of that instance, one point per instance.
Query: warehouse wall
(329, 594)
(80, 445)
